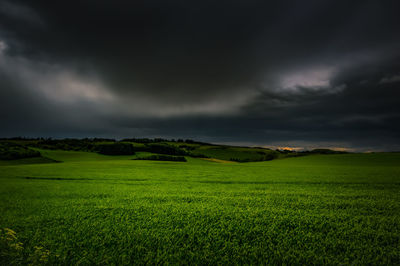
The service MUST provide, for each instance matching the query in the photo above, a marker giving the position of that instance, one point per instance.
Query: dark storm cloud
(257, 72)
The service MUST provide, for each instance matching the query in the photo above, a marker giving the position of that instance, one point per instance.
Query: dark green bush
(87, 144)
(163, 158)
(116, 149)
(197, 155)
(162, 149)
(267, 157)
(326, 151)
(13, 151)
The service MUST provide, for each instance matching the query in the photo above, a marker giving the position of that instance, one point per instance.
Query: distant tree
(13, 151)
(116, 149)
(158, 157)
(164, 149)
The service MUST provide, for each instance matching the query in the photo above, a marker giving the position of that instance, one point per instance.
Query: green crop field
(76, 207)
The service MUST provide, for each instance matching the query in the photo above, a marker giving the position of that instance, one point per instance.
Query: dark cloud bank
(274, 73)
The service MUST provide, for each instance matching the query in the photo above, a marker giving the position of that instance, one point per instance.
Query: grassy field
(97, 209)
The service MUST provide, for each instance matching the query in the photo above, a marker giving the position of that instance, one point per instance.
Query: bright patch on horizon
(288, 148)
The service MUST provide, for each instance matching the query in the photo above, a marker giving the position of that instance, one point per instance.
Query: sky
(301, 74)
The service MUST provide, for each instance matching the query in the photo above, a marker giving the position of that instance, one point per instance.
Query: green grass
(27, 161)
(97, 209)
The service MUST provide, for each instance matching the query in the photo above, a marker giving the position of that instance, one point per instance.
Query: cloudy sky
(267, 73)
